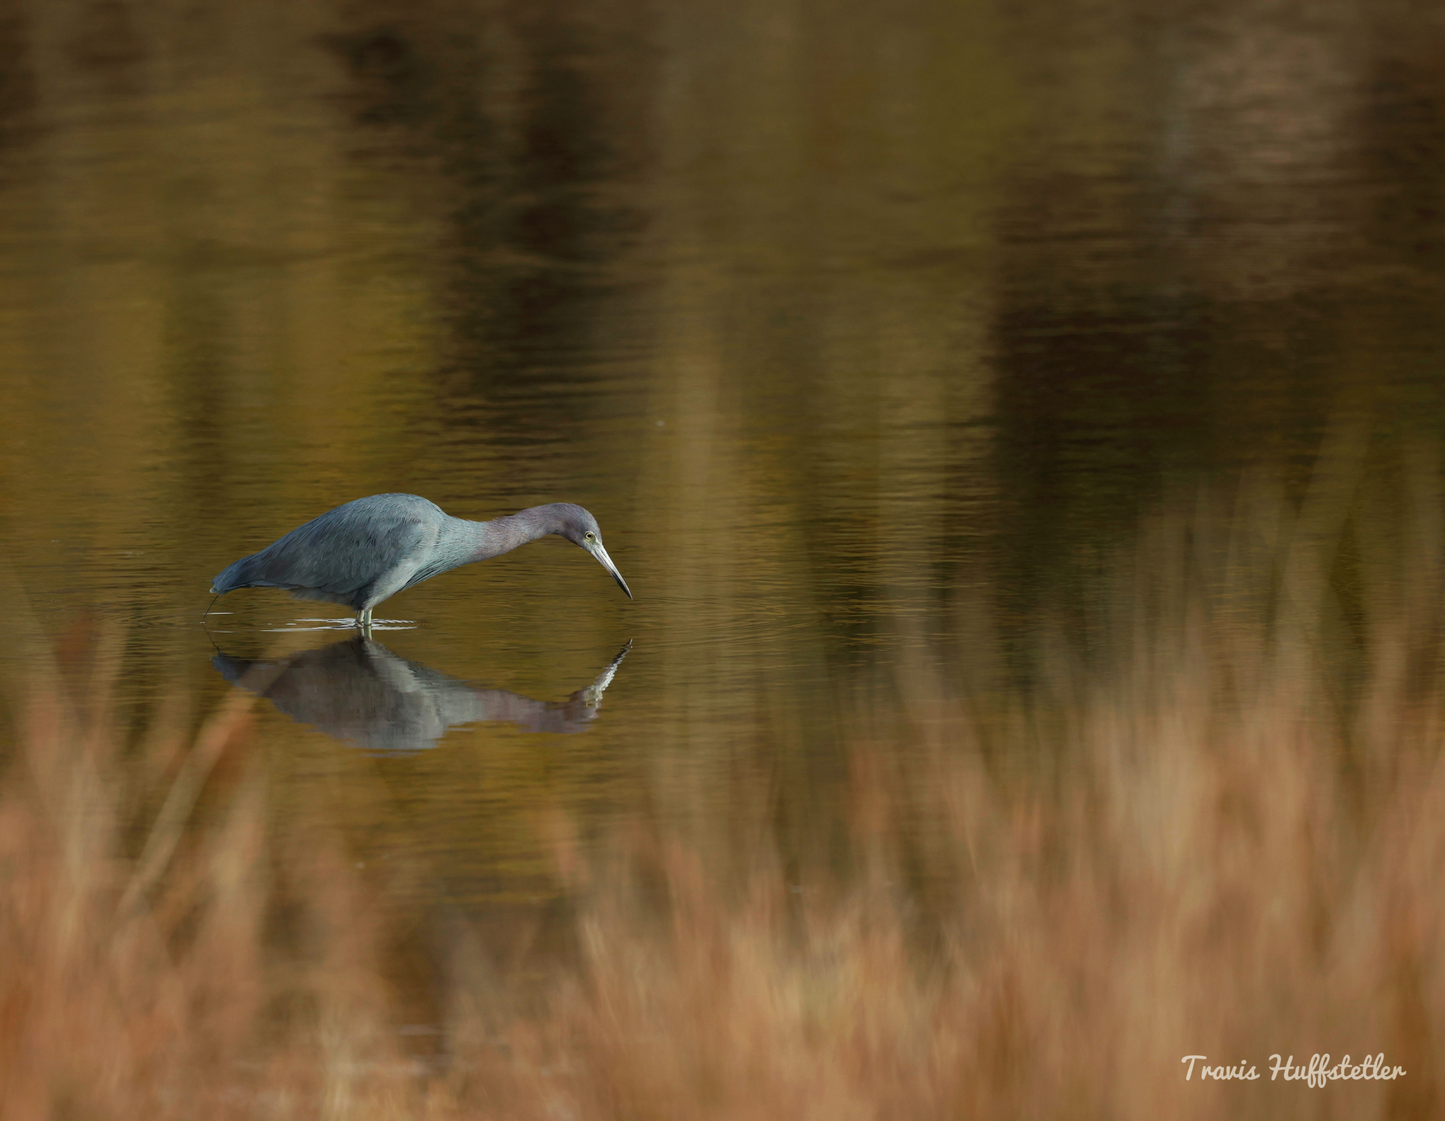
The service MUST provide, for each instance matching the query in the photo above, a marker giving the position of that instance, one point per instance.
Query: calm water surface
(848, 327)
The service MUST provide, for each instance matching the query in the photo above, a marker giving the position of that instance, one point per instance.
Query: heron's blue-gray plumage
(368, 550)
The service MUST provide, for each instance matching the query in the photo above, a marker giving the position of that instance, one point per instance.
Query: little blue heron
(368, 550)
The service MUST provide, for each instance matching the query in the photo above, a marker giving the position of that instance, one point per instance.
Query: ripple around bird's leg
(312, 624)
(374, 625)
(308, 625)
(321, 625)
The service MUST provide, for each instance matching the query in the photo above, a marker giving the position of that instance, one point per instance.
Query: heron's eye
(591, 536)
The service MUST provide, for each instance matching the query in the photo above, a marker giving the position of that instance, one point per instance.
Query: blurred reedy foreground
(1225, 839)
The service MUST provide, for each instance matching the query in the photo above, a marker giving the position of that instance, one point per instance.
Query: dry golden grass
(1226, 838)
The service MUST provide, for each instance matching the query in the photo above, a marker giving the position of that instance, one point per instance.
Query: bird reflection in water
(360, 692)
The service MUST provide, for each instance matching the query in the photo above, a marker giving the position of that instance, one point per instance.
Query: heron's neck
(502, 535)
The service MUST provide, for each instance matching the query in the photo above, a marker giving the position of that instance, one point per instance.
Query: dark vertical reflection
(104, 42)
(1095, 412)
(542, 185)
(1191, 304)
(1403, 130)
(17, 76)
(535, 237)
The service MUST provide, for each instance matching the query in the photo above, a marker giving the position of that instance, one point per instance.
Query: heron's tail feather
(245, 573)
(257, 571)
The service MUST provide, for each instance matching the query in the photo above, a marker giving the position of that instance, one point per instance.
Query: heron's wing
(344, 551)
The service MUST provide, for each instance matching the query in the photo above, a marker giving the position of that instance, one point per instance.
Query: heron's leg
(363, 620)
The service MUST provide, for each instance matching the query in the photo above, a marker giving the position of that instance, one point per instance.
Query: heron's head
(580, 528)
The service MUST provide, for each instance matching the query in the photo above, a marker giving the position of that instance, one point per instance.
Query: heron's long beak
(606, 562)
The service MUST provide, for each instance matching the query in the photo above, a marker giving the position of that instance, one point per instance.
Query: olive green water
(846, 322)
